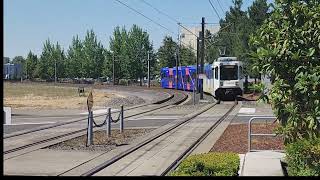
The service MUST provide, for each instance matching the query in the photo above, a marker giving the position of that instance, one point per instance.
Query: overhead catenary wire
(214, 9)
(173, 19)
(153, 22)
(144, 16)
(222, 9)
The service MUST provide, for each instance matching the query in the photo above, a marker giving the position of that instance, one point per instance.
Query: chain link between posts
(105, 120)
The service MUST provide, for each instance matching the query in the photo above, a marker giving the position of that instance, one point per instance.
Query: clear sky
(28, 23)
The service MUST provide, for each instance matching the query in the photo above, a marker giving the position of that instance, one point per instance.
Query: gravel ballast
(101, 142)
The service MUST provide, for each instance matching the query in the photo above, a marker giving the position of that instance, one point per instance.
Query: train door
(216, 77)
(171, 78)
(187, 78)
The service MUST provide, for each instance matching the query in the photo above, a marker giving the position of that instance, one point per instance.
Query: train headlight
(221, 83)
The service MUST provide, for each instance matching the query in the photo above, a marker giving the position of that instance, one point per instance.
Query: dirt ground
(235, 139)
(40, 96)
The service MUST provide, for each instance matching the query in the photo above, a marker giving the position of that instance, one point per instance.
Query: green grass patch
(209, 164)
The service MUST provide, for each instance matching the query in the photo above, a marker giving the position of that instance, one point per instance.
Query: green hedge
(303, 158)
(209, 164)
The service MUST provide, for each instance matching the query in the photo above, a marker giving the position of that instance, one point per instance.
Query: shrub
(123, 82)
(303, 157)
(209, 164)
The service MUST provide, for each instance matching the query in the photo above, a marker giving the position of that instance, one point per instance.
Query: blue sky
(28, 23)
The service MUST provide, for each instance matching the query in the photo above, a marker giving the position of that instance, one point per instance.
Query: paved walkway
(264, 163)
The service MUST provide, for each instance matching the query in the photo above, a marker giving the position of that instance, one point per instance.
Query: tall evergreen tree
(46, 65)
(31, 65)
(93, 56)
(75, 58)
(167, 53)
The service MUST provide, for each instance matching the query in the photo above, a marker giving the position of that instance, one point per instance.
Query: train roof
(179, 67)
(224, 59)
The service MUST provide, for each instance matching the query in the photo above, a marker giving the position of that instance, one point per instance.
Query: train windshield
(229, 72)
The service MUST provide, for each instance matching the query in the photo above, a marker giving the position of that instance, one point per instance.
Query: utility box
(6, 115)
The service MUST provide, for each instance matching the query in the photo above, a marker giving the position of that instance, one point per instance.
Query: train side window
(216, 72)
(241, 72)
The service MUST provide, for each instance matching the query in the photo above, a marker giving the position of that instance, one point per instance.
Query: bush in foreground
(303, 158)
(209, 164)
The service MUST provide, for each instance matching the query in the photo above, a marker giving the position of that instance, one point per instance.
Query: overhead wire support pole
(177, 56)
(113, 80)
(197, 67)
(202, 55)
(148, 69)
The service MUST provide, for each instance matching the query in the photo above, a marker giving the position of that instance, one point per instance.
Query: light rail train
(222, 78)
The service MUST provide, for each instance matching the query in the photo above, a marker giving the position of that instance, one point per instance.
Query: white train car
(224, 78)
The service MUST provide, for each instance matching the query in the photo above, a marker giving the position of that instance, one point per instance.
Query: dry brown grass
(40, 96)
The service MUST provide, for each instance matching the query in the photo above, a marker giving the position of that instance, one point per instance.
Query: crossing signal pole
(202, 56)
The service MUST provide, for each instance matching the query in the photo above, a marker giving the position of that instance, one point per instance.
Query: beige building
(187, 38)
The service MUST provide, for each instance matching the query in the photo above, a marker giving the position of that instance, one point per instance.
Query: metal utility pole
(55, 71)
(148, 69)
(113, 80)
(197, 69)
(202, 56)
(177, 56)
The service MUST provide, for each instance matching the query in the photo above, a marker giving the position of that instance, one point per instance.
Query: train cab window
(216, 72)
(228, 72)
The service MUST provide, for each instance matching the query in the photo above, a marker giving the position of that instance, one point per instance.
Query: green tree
(287, 46)
(45, 63)
(118, 49)
(51, 61)
(167, 53)
(93, 54)
(31, 65)
(187, 56)
(138, 48)
(6, 60)
(75, 58)
(59, 58)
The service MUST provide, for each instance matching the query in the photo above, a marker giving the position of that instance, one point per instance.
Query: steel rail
(129, 151)
(82, 119)
(178, 101)
(187, 152)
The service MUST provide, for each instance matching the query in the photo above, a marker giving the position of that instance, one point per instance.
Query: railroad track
(21, 141)
(171, 95)
(158, 141)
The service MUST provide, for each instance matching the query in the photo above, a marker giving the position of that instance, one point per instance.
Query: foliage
(130, 51)
(31, 65)
(303, 157)
(209, 164)
(75, 58)
(93, 56)
(234, 33)
(167, 53)
(6, 60)
(287, 46)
